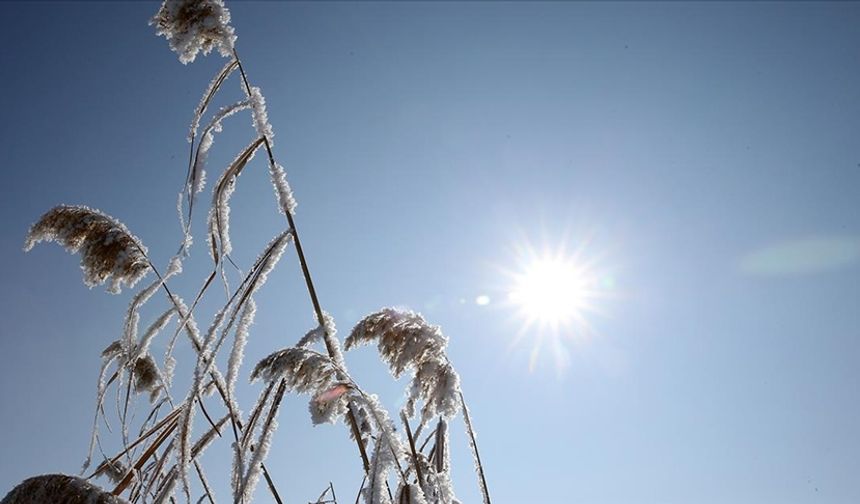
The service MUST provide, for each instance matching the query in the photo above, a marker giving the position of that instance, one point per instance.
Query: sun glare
(551, 292)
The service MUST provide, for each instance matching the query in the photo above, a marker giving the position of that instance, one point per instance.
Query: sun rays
(552, 293)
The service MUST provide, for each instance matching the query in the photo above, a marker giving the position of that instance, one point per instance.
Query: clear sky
(702, 158)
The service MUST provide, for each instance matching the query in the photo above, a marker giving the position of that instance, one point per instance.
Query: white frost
(191, 26)
(286, 201)
(261, 117)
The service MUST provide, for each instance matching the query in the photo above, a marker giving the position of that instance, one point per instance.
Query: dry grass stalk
(322, 498)
(149, 452)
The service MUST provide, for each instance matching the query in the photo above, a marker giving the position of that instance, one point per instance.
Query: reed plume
(109, 252)
(194, 26)
(406, 341)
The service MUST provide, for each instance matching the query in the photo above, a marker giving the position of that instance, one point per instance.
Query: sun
(551, 292)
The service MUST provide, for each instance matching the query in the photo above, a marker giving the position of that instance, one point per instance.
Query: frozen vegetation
(161, 456)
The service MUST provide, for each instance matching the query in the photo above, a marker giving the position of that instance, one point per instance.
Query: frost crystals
(261, 117)
(59, 488)
(407, 341)
(191, 26)
(108, 250)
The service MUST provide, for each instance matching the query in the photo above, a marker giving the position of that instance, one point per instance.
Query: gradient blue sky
(706, 157)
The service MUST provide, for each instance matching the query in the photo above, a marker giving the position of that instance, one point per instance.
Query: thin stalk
(273, 412)
(427, 440)
(439, 447)
(358, 495)
(418, 471)
(167, 419)
(329, 343)
(479, 466)
(156, 472)
(203, 482)
(333, 496)
(234, 417)
(271, 485)
(143, 458)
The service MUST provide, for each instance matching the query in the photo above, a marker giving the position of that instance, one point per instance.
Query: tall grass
(161, 456)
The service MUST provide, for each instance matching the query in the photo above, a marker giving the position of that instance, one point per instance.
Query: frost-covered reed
(160, 456)
(109, 252)
(191, 26)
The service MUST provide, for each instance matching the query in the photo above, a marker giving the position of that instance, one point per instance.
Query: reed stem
(330, 340)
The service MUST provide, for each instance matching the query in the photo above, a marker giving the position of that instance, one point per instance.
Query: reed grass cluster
(162, 462)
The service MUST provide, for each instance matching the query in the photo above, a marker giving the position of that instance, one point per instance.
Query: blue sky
(702, 156)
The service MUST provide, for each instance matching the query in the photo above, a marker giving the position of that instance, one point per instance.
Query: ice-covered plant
(108, 250)
(161, 461)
